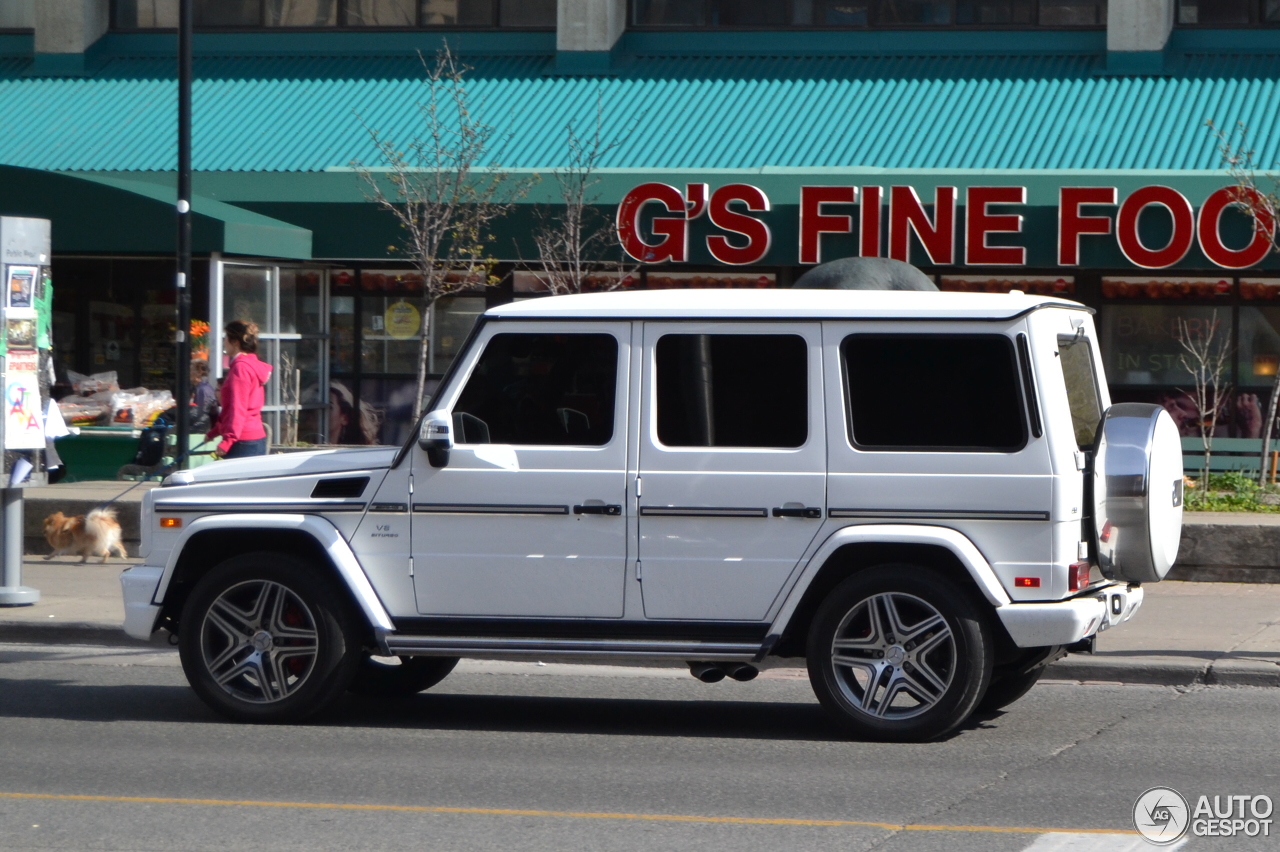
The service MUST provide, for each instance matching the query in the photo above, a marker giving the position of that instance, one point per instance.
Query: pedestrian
(243, 394)
(204, 399)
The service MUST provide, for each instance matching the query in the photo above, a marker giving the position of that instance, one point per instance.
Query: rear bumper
(1034, 625)
(139, 584)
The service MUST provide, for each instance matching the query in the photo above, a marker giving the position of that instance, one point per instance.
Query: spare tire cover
(1137, 492)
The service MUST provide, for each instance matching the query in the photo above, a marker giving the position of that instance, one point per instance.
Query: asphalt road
(109, 750)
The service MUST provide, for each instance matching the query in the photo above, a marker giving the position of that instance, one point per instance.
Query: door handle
(598, 509)
(797, 512)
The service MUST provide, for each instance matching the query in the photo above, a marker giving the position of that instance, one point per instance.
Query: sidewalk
(1185, 633)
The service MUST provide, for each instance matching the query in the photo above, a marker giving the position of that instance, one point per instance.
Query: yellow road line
(435, 809)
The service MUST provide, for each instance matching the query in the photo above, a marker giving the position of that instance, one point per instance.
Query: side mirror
(436, 437)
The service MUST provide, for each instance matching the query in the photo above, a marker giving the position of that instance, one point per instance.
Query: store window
(933, 392)
(1140, 343)
(1227, 13)
(376, 324)
(776, 14)
(328, 14)
(732, 390)
(541, 389)
(17, 14)
(1259, 332)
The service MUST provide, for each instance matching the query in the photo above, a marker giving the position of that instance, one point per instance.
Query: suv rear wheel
(899, 652)
(265, 637)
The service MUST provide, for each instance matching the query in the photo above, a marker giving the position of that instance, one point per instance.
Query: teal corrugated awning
(108, 214)
(305, 114)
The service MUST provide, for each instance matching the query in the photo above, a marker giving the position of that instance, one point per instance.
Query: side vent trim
(349, 487)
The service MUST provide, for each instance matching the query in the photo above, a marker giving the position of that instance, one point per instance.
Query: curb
(71, 633)
(1166, 671)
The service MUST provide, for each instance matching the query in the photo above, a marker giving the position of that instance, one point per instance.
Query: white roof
(778, 304)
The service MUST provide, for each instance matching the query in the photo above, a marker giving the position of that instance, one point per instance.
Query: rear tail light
(1078, 576)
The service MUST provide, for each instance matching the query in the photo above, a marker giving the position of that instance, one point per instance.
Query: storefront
(992, 160)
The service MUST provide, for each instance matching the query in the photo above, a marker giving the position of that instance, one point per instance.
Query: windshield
(1076, 357)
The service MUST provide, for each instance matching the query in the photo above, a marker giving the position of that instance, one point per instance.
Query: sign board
(739, 224)
(24, 261)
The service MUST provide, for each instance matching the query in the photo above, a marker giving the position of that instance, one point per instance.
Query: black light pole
(183, 338)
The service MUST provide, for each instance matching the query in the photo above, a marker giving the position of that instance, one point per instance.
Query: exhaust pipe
(742, 672)
(707, 672)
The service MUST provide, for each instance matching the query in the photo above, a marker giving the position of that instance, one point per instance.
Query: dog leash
(164, 471)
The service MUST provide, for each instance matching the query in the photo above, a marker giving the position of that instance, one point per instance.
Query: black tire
(896, 690)
(1005, 690)
(378, 679)
(276, 630)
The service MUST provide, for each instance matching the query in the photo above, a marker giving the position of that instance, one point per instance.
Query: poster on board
(20, 292)
(23, 419)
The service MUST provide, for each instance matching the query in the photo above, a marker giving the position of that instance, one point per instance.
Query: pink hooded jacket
(243, 394)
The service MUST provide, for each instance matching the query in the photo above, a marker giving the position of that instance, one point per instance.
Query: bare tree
(440, 193)
(580, 242)
(1206, 357)
(1261, 203)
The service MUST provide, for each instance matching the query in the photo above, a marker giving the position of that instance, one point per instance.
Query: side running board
(462, 646)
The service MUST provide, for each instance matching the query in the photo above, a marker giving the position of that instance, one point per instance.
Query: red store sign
(990, 210)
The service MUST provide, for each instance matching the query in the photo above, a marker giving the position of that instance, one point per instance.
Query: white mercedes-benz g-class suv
(926, 497)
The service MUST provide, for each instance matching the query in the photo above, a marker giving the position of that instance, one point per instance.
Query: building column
(1137, 32)
(587, 31)
(65, 29)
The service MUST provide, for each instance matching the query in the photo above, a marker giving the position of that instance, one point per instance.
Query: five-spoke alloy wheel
(899, 652)
(267, 638)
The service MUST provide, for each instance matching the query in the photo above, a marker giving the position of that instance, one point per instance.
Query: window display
(1166, 288)
(524, 282)
(1039, 285)
(663, 280)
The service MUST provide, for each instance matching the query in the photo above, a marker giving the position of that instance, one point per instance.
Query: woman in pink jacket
(242, 396)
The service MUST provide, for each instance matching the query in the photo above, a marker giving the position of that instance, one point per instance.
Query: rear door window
(926, 392)
(732, 390)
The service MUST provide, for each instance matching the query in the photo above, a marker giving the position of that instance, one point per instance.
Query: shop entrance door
(289, 303)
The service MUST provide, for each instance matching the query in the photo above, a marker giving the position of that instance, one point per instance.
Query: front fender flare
(957, 543)
(324, 533)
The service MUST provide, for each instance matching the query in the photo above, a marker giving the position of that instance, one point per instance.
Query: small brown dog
(94, 534)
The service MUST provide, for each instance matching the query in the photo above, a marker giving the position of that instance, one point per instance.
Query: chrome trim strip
(389, 508)
(702, 512)
(937, 515)
(488, 509)
(465, 645)
(312, 506)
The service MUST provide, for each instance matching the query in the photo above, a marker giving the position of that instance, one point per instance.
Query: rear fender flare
(324, 533)
(984, 578)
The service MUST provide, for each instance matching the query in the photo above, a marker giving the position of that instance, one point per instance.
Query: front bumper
(140, 614)
(1034, 625)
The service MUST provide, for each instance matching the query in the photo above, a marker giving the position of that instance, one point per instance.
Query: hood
(291, 464)
(257, 368)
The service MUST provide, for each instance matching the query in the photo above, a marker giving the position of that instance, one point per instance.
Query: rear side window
(732, 390)
(1075, 354)
(933, 392)
(544, 389)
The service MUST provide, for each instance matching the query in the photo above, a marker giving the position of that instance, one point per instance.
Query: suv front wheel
(899, 652)
(265, 637)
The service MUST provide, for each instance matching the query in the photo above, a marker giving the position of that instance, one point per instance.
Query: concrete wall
(589, 25)
(70, 26)
(1138, 25)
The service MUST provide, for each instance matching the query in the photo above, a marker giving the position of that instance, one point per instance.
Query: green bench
(1226, 454)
